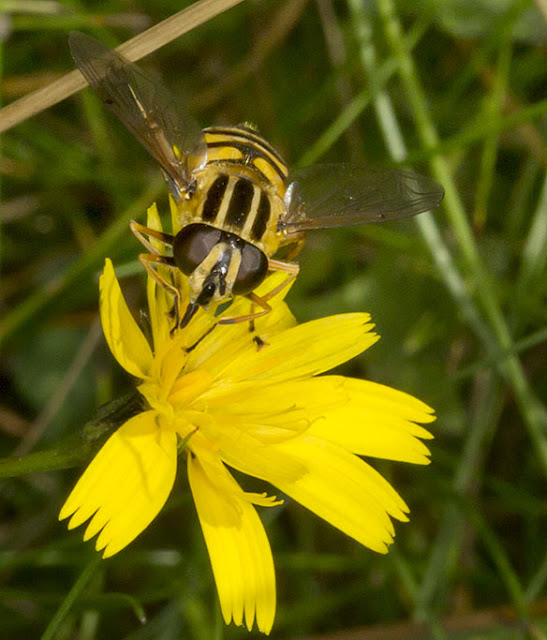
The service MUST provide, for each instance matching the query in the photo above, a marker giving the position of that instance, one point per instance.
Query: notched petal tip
(126, 484)
(345, 491)
(239, 550)
(66, 511)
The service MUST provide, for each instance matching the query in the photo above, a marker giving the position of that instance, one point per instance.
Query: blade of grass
(426, 223)
(135, 49)
(493, 109)
(77, 589)
(533, 413)
(454, 280)
(1, 192)
(534, 252)
(39, 426)
(533, 340)
(480, 131)
(538, 582)
(446, 550)
(356, 106)
(500, 559)
(404, 571)
(282, 23)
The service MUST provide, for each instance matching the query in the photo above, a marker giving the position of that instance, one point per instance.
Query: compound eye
(192, 245)
(252, 270)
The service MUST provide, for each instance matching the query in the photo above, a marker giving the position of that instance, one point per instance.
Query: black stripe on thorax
(240, 203)
(262, 217)
(214, 198)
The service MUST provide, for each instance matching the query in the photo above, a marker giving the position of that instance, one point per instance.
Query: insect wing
(340, 195)
(144, 106)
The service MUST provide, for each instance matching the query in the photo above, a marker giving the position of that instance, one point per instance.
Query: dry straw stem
(134, 49)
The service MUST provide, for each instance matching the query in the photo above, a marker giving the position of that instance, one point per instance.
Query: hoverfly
(236, 203)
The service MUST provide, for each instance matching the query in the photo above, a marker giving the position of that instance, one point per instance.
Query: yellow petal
(277, 402)
(158, 302)
(219, 477)
(125, 339)
(175, 215)
(375, 420)
(274, 280)
(225, 342)
(126, 484)
(238, 548)
(160, 321)
(305, 350)
(153, 221)
(343, 490)
(243, 451)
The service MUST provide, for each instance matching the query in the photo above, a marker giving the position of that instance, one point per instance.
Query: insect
(236, 203)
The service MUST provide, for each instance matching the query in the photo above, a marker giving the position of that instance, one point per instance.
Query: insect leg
(140, 231)
(249, 316)
(288, 267)
(298, 240)
(150, 262)
(262, 301)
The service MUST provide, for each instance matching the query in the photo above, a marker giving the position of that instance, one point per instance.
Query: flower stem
(76, 449)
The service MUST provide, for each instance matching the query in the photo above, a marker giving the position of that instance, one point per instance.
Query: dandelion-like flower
(266, 412)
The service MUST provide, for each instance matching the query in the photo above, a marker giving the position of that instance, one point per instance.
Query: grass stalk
(534, 414)
(141, 45)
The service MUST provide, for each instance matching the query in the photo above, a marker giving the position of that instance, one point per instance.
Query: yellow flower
(223, 402)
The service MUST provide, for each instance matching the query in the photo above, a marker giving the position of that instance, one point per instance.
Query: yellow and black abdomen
(241, 188)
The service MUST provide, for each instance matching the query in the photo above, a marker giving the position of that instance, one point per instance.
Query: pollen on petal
(125, 339)
(239, 550)
(126, 484)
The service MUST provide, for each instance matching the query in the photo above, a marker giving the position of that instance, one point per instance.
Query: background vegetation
(455, 88)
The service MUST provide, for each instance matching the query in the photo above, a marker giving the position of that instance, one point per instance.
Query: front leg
(262, 301)
(140, 231)
(150, 262)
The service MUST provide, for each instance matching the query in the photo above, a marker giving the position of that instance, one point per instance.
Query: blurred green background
(455, 87)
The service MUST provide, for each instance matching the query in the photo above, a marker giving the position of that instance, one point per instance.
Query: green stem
(75, 450)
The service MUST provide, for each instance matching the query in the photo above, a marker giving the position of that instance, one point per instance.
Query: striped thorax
(241, 187)
(229, 225)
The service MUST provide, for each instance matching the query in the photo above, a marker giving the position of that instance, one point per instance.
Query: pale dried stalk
(135, 49)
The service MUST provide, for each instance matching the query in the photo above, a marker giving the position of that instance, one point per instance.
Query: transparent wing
(339, 195)
(144, 106)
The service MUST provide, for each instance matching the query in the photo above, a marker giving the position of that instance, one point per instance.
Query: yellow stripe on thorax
(269, 167)
(221, 215)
